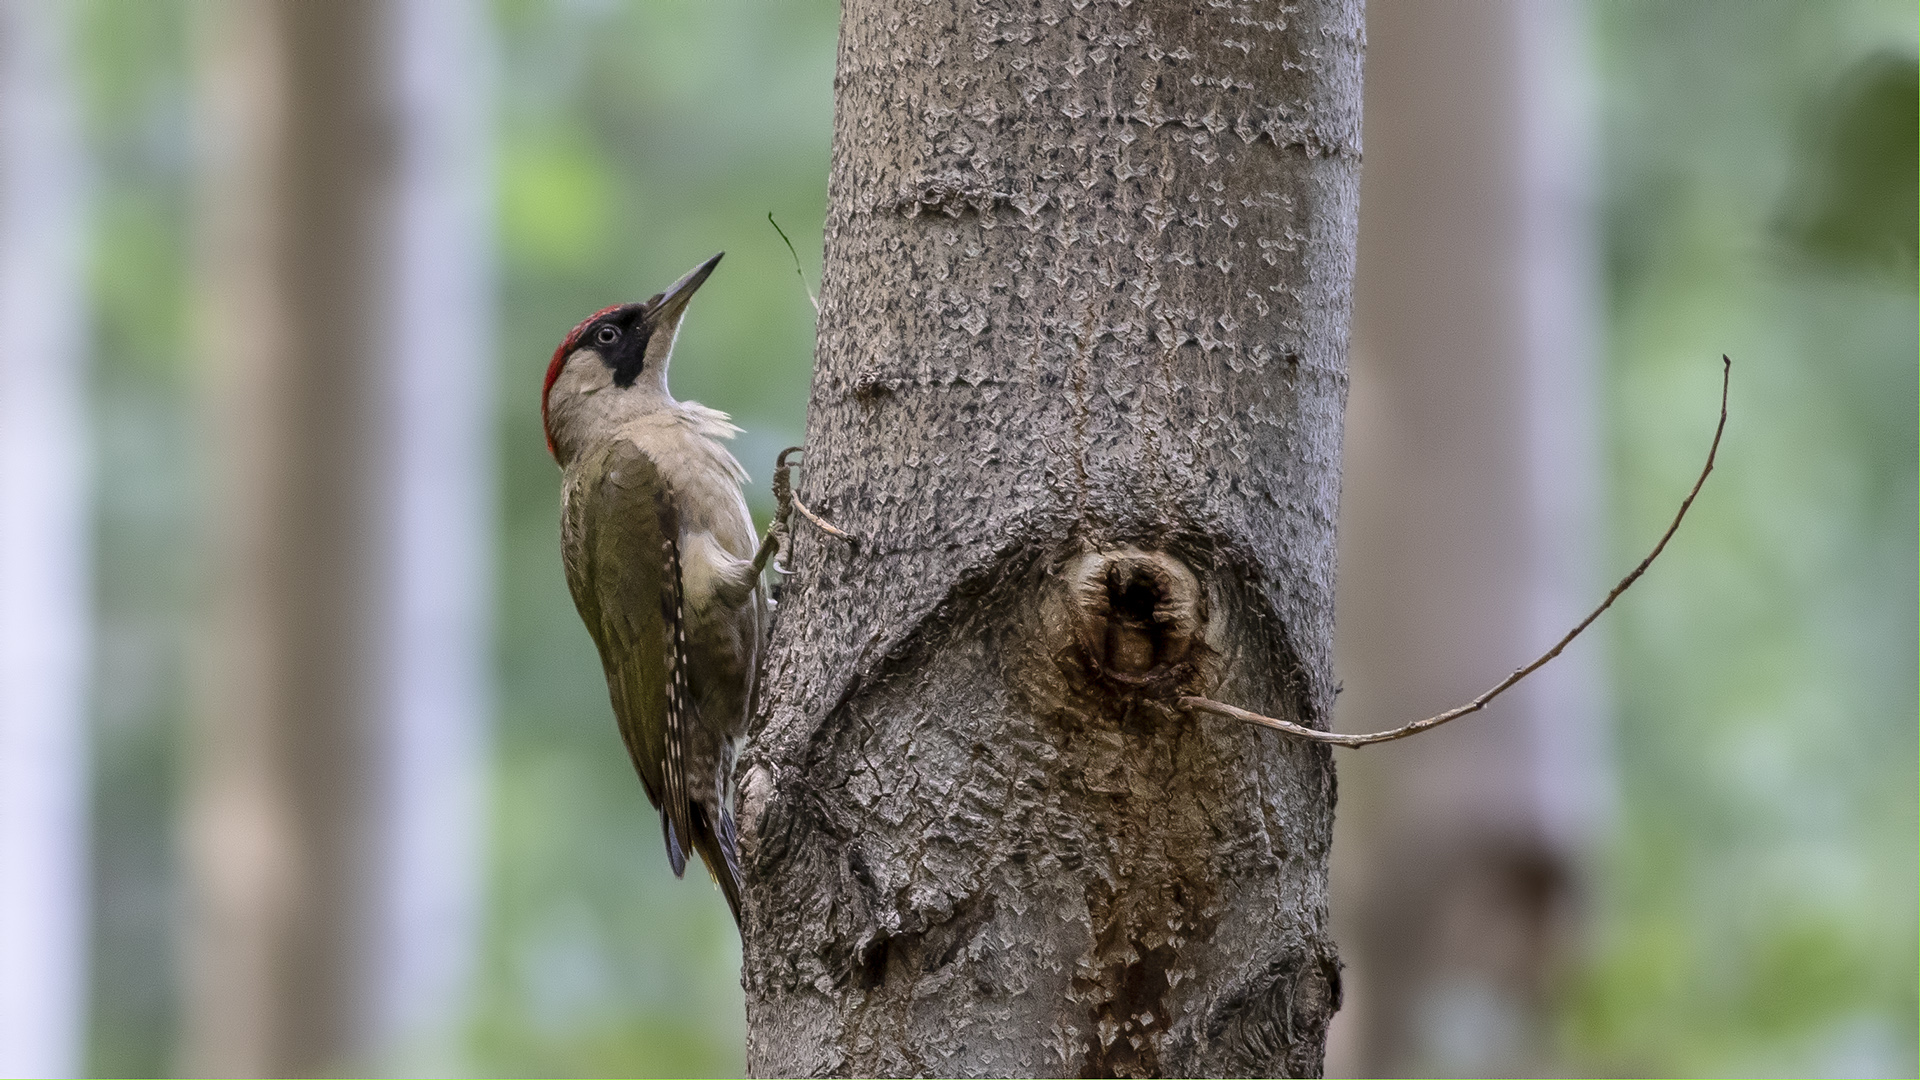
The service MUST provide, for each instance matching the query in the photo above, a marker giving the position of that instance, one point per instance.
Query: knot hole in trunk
(1139, 618)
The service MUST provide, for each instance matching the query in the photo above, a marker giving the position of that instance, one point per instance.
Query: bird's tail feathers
(676, 851)
(719, 850)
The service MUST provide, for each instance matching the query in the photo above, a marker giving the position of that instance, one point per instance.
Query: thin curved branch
(802, 274)
(1331, 738)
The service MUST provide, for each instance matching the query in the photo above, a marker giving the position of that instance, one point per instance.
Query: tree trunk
(338, 810)
(284, 761)
(1464, 545)
(1080, 377)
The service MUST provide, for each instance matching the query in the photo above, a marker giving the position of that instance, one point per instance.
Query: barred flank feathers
(674, 803)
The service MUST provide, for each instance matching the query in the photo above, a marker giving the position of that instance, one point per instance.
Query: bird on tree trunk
(660, 557)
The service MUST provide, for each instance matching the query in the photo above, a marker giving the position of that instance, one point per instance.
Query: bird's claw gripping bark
(785, 503)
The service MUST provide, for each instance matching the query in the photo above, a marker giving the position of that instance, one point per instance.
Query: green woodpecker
(660, 557)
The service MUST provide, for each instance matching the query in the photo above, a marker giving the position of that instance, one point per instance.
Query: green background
(1756, 911)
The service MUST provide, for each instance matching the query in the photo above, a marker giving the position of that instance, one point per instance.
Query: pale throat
(584, 405)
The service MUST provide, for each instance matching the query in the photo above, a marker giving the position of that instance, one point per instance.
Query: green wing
(620, 541)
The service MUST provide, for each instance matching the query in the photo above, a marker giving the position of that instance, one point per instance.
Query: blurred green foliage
(1853, 202)
(1757, 911)
(133, 81)
(635, 141)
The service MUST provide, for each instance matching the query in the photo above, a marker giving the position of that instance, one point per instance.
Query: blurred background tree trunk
(1078, 393)
(300, 183)
(46, 608)
(1468, 529)
(336, 815)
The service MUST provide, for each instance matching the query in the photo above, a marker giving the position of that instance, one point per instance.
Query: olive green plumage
(680, 681)
(660, 555)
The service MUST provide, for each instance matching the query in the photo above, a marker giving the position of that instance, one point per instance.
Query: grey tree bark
(1078, 396)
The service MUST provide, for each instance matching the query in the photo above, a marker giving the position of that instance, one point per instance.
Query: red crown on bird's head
(567, 345)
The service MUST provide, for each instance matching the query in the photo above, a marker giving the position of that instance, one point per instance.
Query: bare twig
(1335, 739)
(811, 299)
(818, 523)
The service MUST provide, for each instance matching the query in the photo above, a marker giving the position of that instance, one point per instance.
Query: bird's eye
(606, 335)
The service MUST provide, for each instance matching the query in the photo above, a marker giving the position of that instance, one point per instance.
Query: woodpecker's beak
(665, 309)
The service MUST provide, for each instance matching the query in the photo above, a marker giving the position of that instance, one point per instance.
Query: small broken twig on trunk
(1201, 704)
(802, 274)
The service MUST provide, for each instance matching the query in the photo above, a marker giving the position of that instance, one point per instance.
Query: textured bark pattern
(1080, 378)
